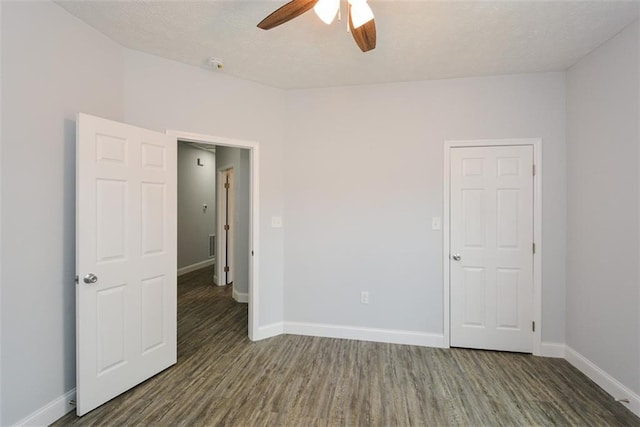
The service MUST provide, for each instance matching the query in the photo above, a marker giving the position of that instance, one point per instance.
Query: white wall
(603, 323)
(52, 67)
(162, 94)
(239, 160)
(364, 178)
(196, 186)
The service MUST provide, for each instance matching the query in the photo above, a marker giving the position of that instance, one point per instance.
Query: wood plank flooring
(222, 378)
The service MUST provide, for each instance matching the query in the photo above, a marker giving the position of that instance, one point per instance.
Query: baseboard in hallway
(196, 266)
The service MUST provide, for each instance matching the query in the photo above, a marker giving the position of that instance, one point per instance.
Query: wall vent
(212, 245)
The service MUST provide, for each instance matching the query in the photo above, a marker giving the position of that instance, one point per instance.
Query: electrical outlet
(364, 297)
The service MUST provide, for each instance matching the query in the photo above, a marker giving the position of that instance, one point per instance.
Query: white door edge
(254, 241)
(222, 240)
(536, 143)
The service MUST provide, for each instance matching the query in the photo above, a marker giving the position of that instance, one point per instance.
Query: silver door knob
(456, 257)
(90, 278)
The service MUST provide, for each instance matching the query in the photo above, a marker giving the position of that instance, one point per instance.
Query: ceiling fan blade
(364, 35)
(291, 10)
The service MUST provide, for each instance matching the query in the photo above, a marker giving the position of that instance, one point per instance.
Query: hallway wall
(196, 186)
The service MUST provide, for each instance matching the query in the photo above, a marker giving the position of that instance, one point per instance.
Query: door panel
(491, 208)
(508, 305)
(126, 237)
(474, 286)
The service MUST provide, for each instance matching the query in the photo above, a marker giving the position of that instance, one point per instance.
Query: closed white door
(126, 258)
(491, 241)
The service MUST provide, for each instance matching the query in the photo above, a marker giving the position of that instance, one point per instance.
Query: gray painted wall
(360, 194)
(603, 208)
(53, 66)
(239, 159)
(196, 186)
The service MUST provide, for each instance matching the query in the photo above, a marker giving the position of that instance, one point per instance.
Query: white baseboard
(196, 266)
(351, 332)
(268, 331)
(240, 297)
(609, 384)
(365, 334)
(552, 349)
(50, 412)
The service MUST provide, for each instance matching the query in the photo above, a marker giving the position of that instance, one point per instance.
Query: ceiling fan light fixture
(327, 10)
(358, 13)
(361, 13)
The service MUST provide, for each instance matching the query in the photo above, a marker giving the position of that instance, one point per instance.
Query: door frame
(221, 242)
(254, 217)
(536, 143)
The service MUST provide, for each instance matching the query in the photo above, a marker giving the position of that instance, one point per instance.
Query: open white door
(125, 258)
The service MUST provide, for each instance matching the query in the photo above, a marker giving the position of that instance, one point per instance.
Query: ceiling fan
(361, 22)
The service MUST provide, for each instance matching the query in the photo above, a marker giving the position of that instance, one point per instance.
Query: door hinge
(533, 326)
(533, 247)
(533, 170)
(226, 269)
(226, 185)
(226, 227)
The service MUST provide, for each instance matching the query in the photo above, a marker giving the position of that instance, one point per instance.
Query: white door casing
(126, 236)
(255, 331)
(492, 234)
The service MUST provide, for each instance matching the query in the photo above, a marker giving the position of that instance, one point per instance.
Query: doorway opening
(236, 212)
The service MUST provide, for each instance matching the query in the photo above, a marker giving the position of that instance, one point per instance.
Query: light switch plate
(435, 223)
(276, 222)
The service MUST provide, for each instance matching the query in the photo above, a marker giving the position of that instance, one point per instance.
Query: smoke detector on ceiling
(215, 63)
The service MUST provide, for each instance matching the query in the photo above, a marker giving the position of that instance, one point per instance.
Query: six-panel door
(491, 209)
(126, 238)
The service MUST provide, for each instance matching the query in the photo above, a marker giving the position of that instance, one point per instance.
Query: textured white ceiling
(417, 40)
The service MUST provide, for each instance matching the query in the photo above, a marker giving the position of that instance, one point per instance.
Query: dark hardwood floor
(222, 378)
